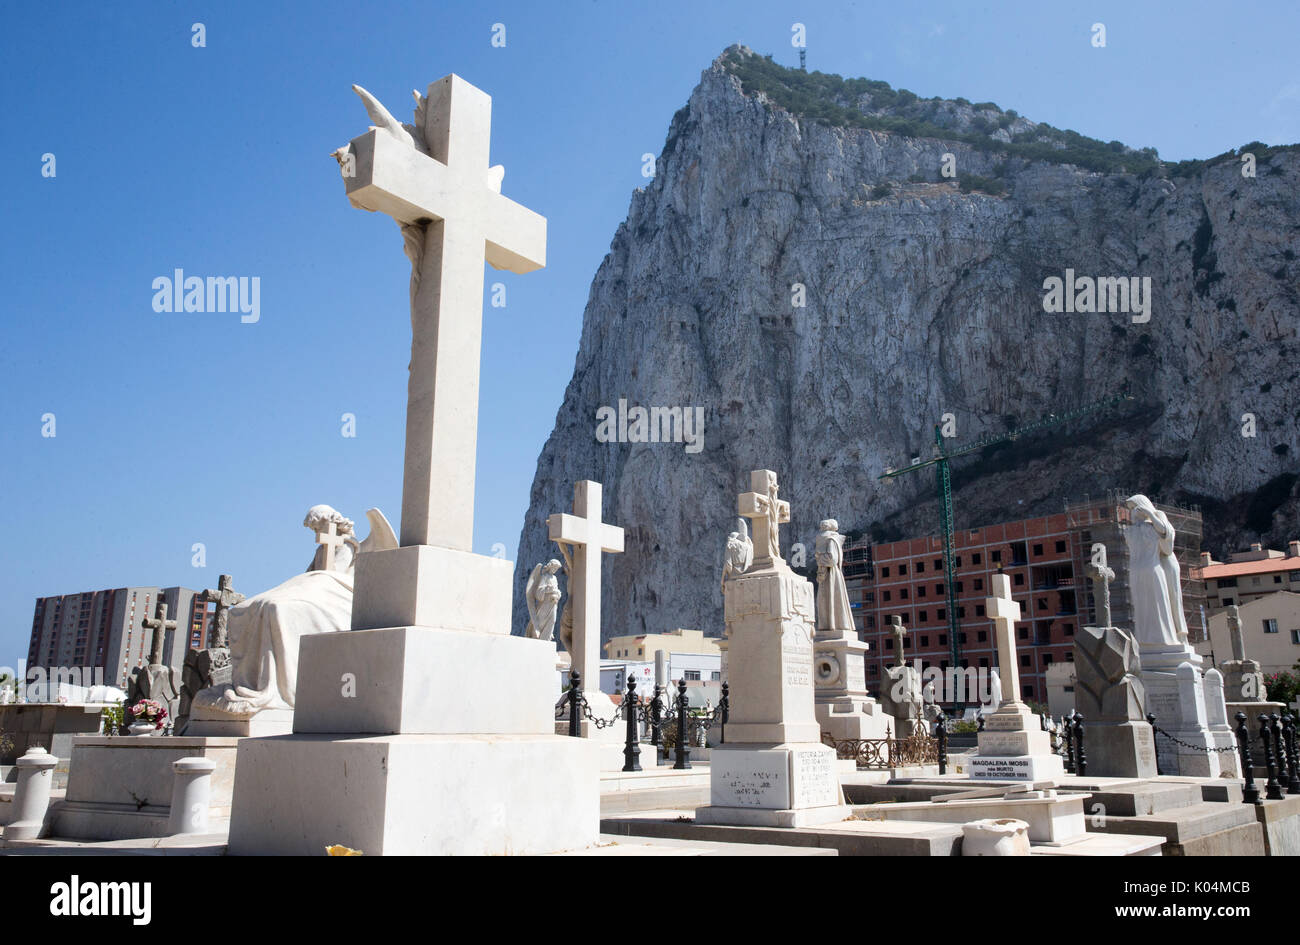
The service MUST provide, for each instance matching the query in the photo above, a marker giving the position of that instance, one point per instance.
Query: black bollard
(575, 692)
(656, 719)
(726, 713)
(1249, 793)
(1279, 752)
(1272, 790)
(632, 749)
(1155, 745)
(1080, 756)
(941, 733)
(1293, 763)
(1069, 743)
(683, 736)
(979, 724)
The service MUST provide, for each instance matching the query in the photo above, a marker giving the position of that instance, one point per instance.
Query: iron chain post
(726, 713)
(575, 692)
(656, 718)
(1155, 745)
(683, 736)
(1293, 763)
(1272, 790)
(1069, 743)
(1249, 792)
(632, 750)
(941, 731)
(1080, 756)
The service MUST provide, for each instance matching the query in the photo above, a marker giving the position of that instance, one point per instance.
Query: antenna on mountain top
(803, 60)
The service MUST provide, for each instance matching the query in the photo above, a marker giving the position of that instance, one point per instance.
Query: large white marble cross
(1005, 612)
(766, 513)
(588, 536)
(454, 218)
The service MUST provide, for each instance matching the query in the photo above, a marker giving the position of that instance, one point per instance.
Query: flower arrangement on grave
(149, 710)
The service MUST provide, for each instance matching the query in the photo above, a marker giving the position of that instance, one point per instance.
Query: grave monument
(773, 770)
(389, 745)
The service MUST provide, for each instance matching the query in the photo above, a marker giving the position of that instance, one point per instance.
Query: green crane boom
(943, 477)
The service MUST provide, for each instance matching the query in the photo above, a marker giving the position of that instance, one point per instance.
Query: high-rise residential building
(1046, 558)
(103, 630)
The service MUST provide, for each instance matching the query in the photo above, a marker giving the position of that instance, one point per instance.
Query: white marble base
(208, 724)
(429, 586)
(780, 784)
(1052, 817)
(419, 680)
(756, 817)
(121, 787)
(1016, 767)
(415, 795)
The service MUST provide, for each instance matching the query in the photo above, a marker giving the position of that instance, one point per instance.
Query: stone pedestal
(1013, 746)
(1175, 694)
(394, 747)
(844, 707)
(901, 696)
(773, 769)
(1243, 681)
(1108, 692)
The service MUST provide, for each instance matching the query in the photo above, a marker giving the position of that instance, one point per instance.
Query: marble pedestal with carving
(773, 769)
(1013, 746)
(1193, 737)
(391, 754)
(845, 709)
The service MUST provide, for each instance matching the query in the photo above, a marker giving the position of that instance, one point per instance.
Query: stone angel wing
(382, 118)
(381, 537)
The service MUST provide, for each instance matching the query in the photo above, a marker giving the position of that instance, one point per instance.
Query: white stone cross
(159, 625)
(1005, 612)
(766, 513)
(1236, 639)
(588, 536)
(900, 632)
(331, 539)
(454, 217)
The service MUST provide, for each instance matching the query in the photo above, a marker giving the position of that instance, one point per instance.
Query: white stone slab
(750, 778)
(1016, 767)
(429, 586)
(420, 680)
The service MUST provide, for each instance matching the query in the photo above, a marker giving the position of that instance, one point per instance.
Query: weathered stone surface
(916, 301)
(1108, 687)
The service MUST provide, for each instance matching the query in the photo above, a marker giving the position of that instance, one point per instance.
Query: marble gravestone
(773, 770)
(901, 693)
(1013, 745)
(211, 665)
(845, 710)
(156, 680)
(388, 754)
(1171, 669)
(1108, 690)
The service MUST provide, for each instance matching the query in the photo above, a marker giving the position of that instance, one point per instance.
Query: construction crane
(943, 477)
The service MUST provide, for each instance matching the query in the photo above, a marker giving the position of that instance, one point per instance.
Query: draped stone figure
(1154, 576)
(266, 629)
(542, 594)
(833, 609)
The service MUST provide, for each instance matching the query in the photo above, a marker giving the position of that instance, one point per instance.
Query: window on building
(902, 569)
(1254, 582)
(1270, 626)
(920, 567)
(1047, 659)
(1060, 547)
(1042, 604)
(889, 644)
(961, 612)
(979, 610)
(1295, 636)
(692, 675)
(925, 640)
(715, 675)
(981, 636)
(1294, 575)
(942, 614)
(1069, 656)
(884, 572)
(1069, 629)
(873, 669)
(938, 588)
(961, 638)
(943, 639)
(976, 558)
(1027, 692)
(1024, 659)
(1227, 582)
(984, 662)
(1227, 602)
(920, 590)
(1022, 633)
(1019, 579)
(923, 616)
(979, 584)
(997, 555)
(902, 593)
(957, 562)
(1277, 579)
(884, 595)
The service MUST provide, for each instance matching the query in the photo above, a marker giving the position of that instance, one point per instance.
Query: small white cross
(331, 539)
(765, 512)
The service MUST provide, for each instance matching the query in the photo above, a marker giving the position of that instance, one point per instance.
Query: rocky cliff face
(923, 297)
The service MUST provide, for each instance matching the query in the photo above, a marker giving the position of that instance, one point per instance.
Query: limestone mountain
(923, 295)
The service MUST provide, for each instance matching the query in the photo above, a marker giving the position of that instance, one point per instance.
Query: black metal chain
(598, 722)
(1205, 749)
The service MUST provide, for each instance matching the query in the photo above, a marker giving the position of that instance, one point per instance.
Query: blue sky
(176, 428)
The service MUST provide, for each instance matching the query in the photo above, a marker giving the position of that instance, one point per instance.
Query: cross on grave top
(1103, 575)
(767, 513)
(330, 539)
(588, 536)
(437, 184)
(159, 625)
(900, 632)
(225, 597)
(1004, 613)
(1236, 639)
